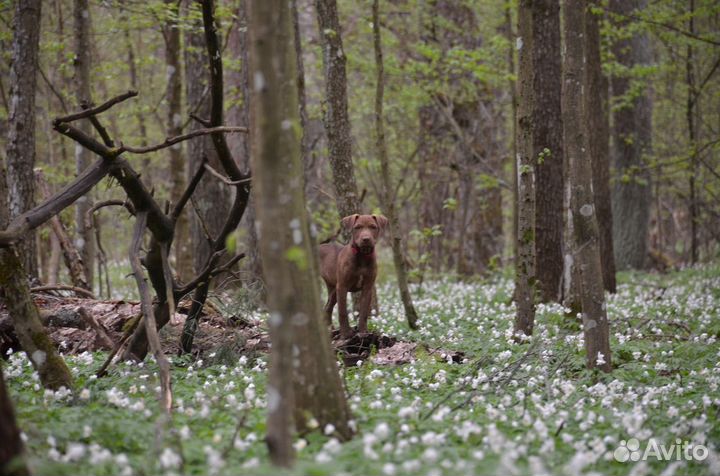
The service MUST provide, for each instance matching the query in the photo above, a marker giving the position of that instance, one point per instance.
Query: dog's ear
(349, 221)
(381, 221)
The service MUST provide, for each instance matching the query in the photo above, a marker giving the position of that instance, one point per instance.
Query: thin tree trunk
(85, 241)
(12, 460)
(596, 110)
(586, 249)
(21, 121)
(631, 142)
(547, 153)
(287, 249)
(337, 122)
(211, 201)
(176, 164)
(525, 261)
(513, 98)
(692, 137)
(388, 197)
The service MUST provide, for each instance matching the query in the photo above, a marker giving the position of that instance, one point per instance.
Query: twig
(223, 178)
(147, 310)
(170, 141)
(178, 208)
(62, 287)
(96, 110)
(102, 371)
(106, 203)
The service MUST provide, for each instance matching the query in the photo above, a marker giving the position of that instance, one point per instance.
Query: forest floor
(483, 406)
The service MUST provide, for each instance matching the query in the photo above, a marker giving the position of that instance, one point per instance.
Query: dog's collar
(357, 251)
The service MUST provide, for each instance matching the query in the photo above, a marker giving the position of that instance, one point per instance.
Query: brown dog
(352, 268)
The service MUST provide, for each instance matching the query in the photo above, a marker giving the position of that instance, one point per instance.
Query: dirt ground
(74, 334)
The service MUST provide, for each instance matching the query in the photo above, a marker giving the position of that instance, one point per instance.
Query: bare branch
(178, 208)
(170, 141)
(96, 110)
(224, 179)
(62, 287)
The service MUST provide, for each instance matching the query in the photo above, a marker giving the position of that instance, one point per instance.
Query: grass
(510, 408)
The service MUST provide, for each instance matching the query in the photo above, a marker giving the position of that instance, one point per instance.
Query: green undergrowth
(529, 408)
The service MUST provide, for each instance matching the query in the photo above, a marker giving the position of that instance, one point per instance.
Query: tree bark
(301, 352)
(21, 121)
(388, 194)
(525, 262)
(12, 460)
(547, 153)
(692, 137)
(176, 166)
(85, 239)
(337, 122)
(631, 142)
(211, 202)
(596, 110)
(586, 250)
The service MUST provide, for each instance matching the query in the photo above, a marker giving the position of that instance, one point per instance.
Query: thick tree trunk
(12, 461)
(631, 142)
(85, 239)
(547, 147)
(596, 111)
(211, 201)
(388, 197)
(21, 121)
(586, 249)
(174, 119)
(525, 261)
(337, 122)
(297, 330)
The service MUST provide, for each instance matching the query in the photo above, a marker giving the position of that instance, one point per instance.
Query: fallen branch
(62, 287)
(96, 326)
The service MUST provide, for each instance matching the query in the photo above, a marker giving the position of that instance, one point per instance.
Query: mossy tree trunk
(304, 381)
(12, 461)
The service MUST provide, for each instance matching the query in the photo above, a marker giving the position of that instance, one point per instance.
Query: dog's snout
(367, 240)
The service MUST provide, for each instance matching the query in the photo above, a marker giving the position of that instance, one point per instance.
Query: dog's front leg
(365, 305)
(345, 330)
(332, 299)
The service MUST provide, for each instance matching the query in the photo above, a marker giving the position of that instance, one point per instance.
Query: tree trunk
(631, 142)
(596, 110)
(211, 201)
(547, 153)
(692, 138)
(388, 196)
(337, 122)
(289, 258)
(240, 144)
(12, 461)
(176, 166)
(85, 241)
(525, 261)
(21, 121)
(586, 249)
(513, 98)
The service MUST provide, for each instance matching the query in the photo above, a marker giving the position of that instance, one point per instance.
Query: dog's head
(365, 229)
